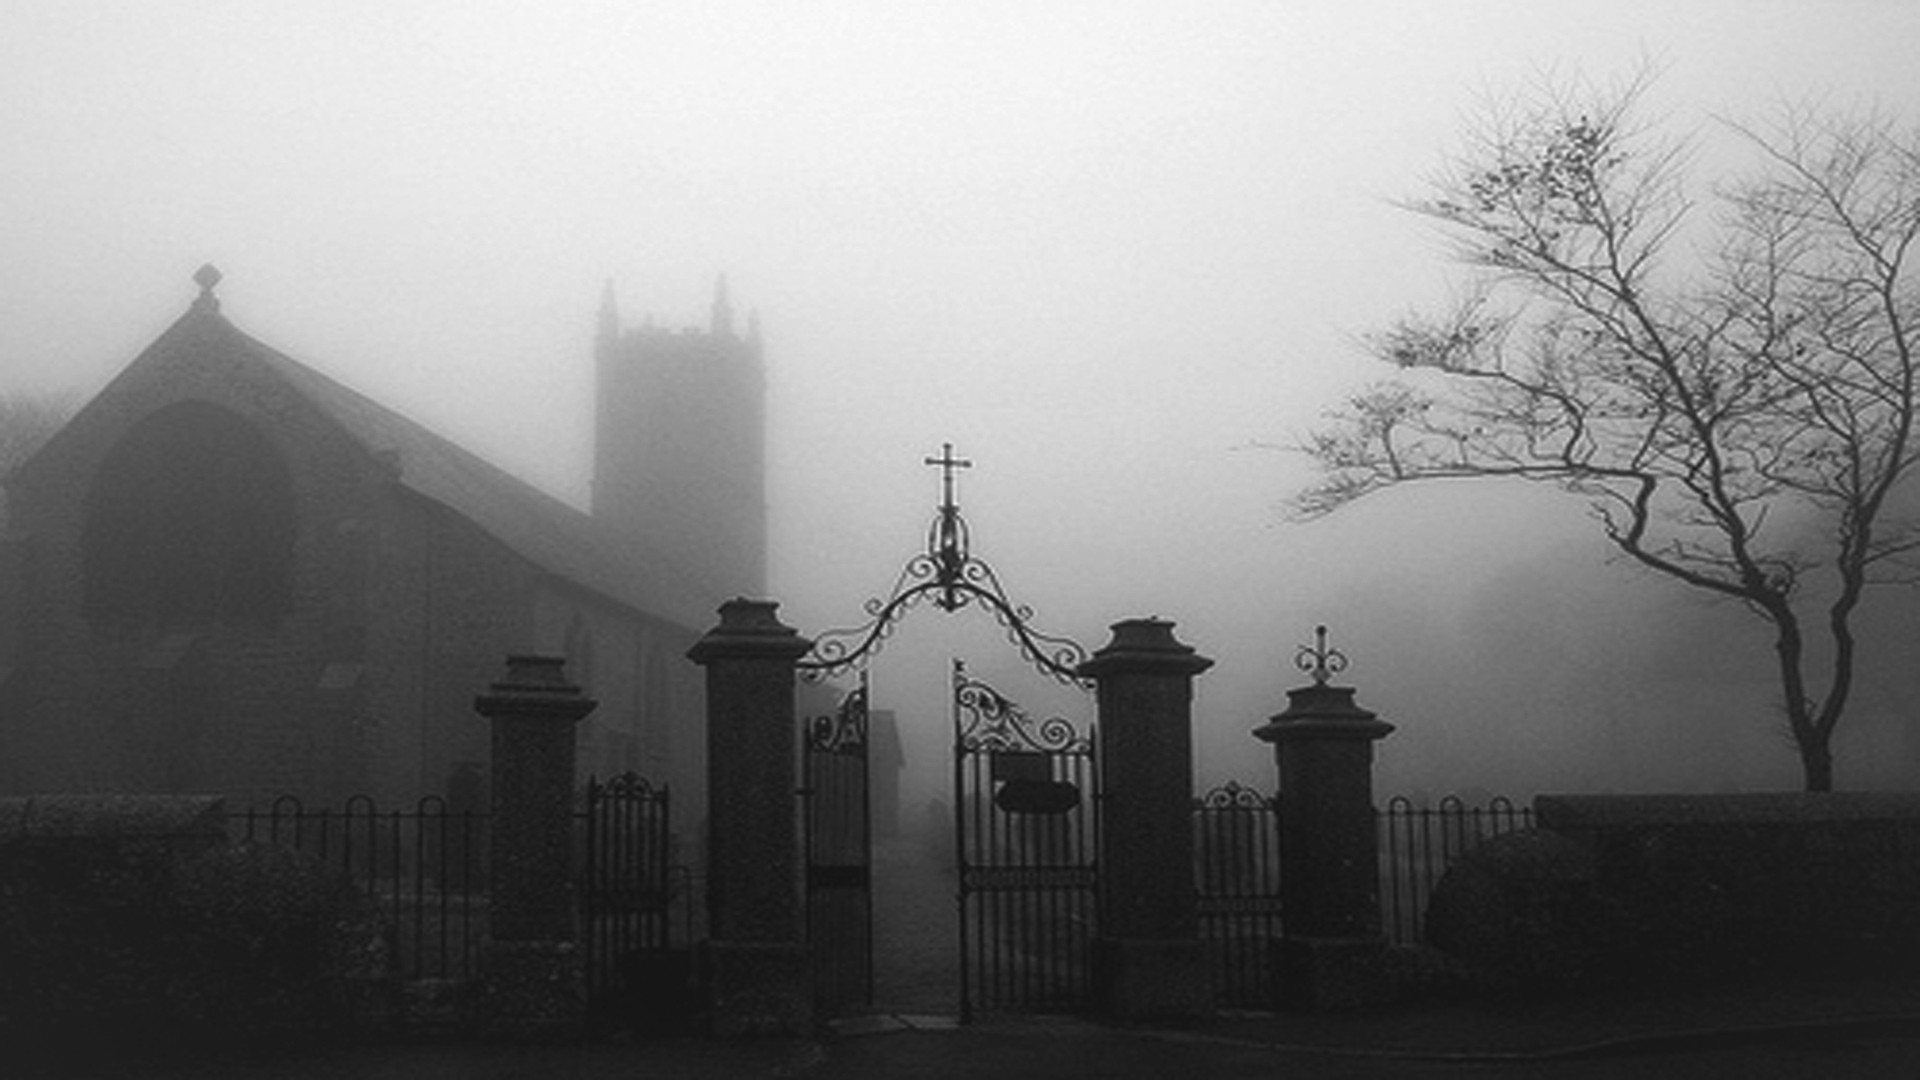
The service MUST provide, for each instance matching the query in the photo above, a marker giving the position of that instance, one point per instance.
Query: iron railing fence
(1026, 847)
(1238, 871)
(1236, 843)
(1419, 841)
(1029, 883)
(629, 885)
(836, 815)
(423, 868)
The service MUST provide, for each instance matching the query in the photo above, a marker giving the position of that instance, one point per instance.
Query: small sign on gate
(1024, 784)
(1045, 797)
(1021, 765)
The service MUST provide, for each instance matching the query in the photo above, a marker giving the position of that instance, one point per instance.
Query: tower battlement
(680, 445)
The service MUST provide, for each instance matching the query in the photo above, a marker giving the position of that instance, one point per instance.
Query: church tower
(680, 446)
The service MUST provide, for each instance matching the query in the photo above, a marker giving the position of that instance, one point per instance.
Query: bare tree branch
(1739, 420)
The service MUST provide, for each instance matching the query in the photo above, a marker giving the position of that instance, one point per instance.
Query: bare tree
(1733, 391)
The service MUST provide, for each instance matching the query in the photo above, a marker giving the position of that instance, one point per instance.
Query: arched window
(190, 519)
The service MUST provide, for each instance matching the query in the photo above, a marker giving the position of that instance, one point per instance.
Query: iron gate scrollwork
(839, 847)
(1026, 836)
(955, 579)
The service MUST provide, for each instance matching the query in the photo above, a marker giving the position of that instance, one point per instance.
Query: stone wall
(130, 919)
(1653, 888)
(450, 603)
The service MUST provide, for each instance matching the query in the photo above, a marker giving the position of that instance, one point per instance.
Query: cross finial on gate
(955, 579)
(948, 544)
(948, 463)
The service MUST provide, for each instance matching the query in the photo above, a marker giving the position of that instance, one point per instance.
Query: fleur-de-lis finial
(1318, 659)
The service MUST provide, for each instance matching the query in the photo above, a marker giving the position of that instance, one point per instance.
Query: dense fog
(1113, 253)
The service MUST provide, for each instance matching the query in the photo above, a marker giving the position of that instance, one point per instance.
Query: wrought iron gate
(839, 846)
(1025, 829)
(1236, 845)
(626, 893)
(1026, 837)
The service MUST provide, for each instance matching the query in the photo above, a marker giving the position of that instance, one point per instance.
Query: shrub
(232, 944)
(270, 937)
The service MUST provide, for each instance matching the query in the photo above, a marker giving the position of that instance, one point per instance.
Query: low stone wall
(134, 915)
(132, 823)
(1629, 888)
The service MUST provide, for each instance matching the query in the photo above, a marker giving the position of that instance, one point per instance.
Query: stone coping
(103, 817)
(1575, 813)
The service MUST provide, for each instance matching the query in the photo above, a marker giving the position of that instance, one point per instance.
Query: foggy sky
(1098, 246)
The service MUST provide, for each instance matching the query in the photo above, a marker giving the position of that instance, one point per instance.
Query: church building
(233, 574)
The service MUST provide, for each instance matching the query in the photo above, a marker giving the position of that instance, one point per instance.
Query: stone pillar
(532, 980)
(1148, 959)
(754, 963)
(1332, 954)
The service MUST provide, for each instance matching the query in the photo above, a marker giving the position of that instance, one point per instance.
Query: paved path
(1030, 1049)
(916, 929)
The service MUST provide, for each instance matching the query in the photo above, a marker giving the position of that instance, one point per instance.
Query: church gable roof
(553, 536)
(544, 530)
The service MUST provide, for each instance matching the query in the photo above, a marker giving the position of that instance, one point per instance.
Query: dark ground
(1761, 1030)
(1401, 1045)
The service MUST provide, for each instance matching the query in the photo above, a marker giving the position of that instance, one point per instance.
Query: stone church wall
(353, 671)
(239, 705)
(456, 601)
(652, 700)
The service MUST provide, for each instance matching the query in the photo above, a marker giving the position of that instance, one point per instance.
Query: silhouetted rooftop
(556, 538)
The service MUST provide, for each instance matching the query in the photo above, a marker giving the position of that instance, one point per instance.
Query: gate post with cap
(532, 978)
(1148, 959)
(754, 963)
(1332, 954)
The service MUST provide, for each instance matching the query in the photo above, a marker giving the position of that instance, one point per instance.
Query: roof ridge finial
(207, 277)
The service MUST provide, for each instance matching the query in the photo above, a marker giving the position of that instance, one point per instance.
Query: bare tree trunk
(1811, 739)
(1816, 761)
